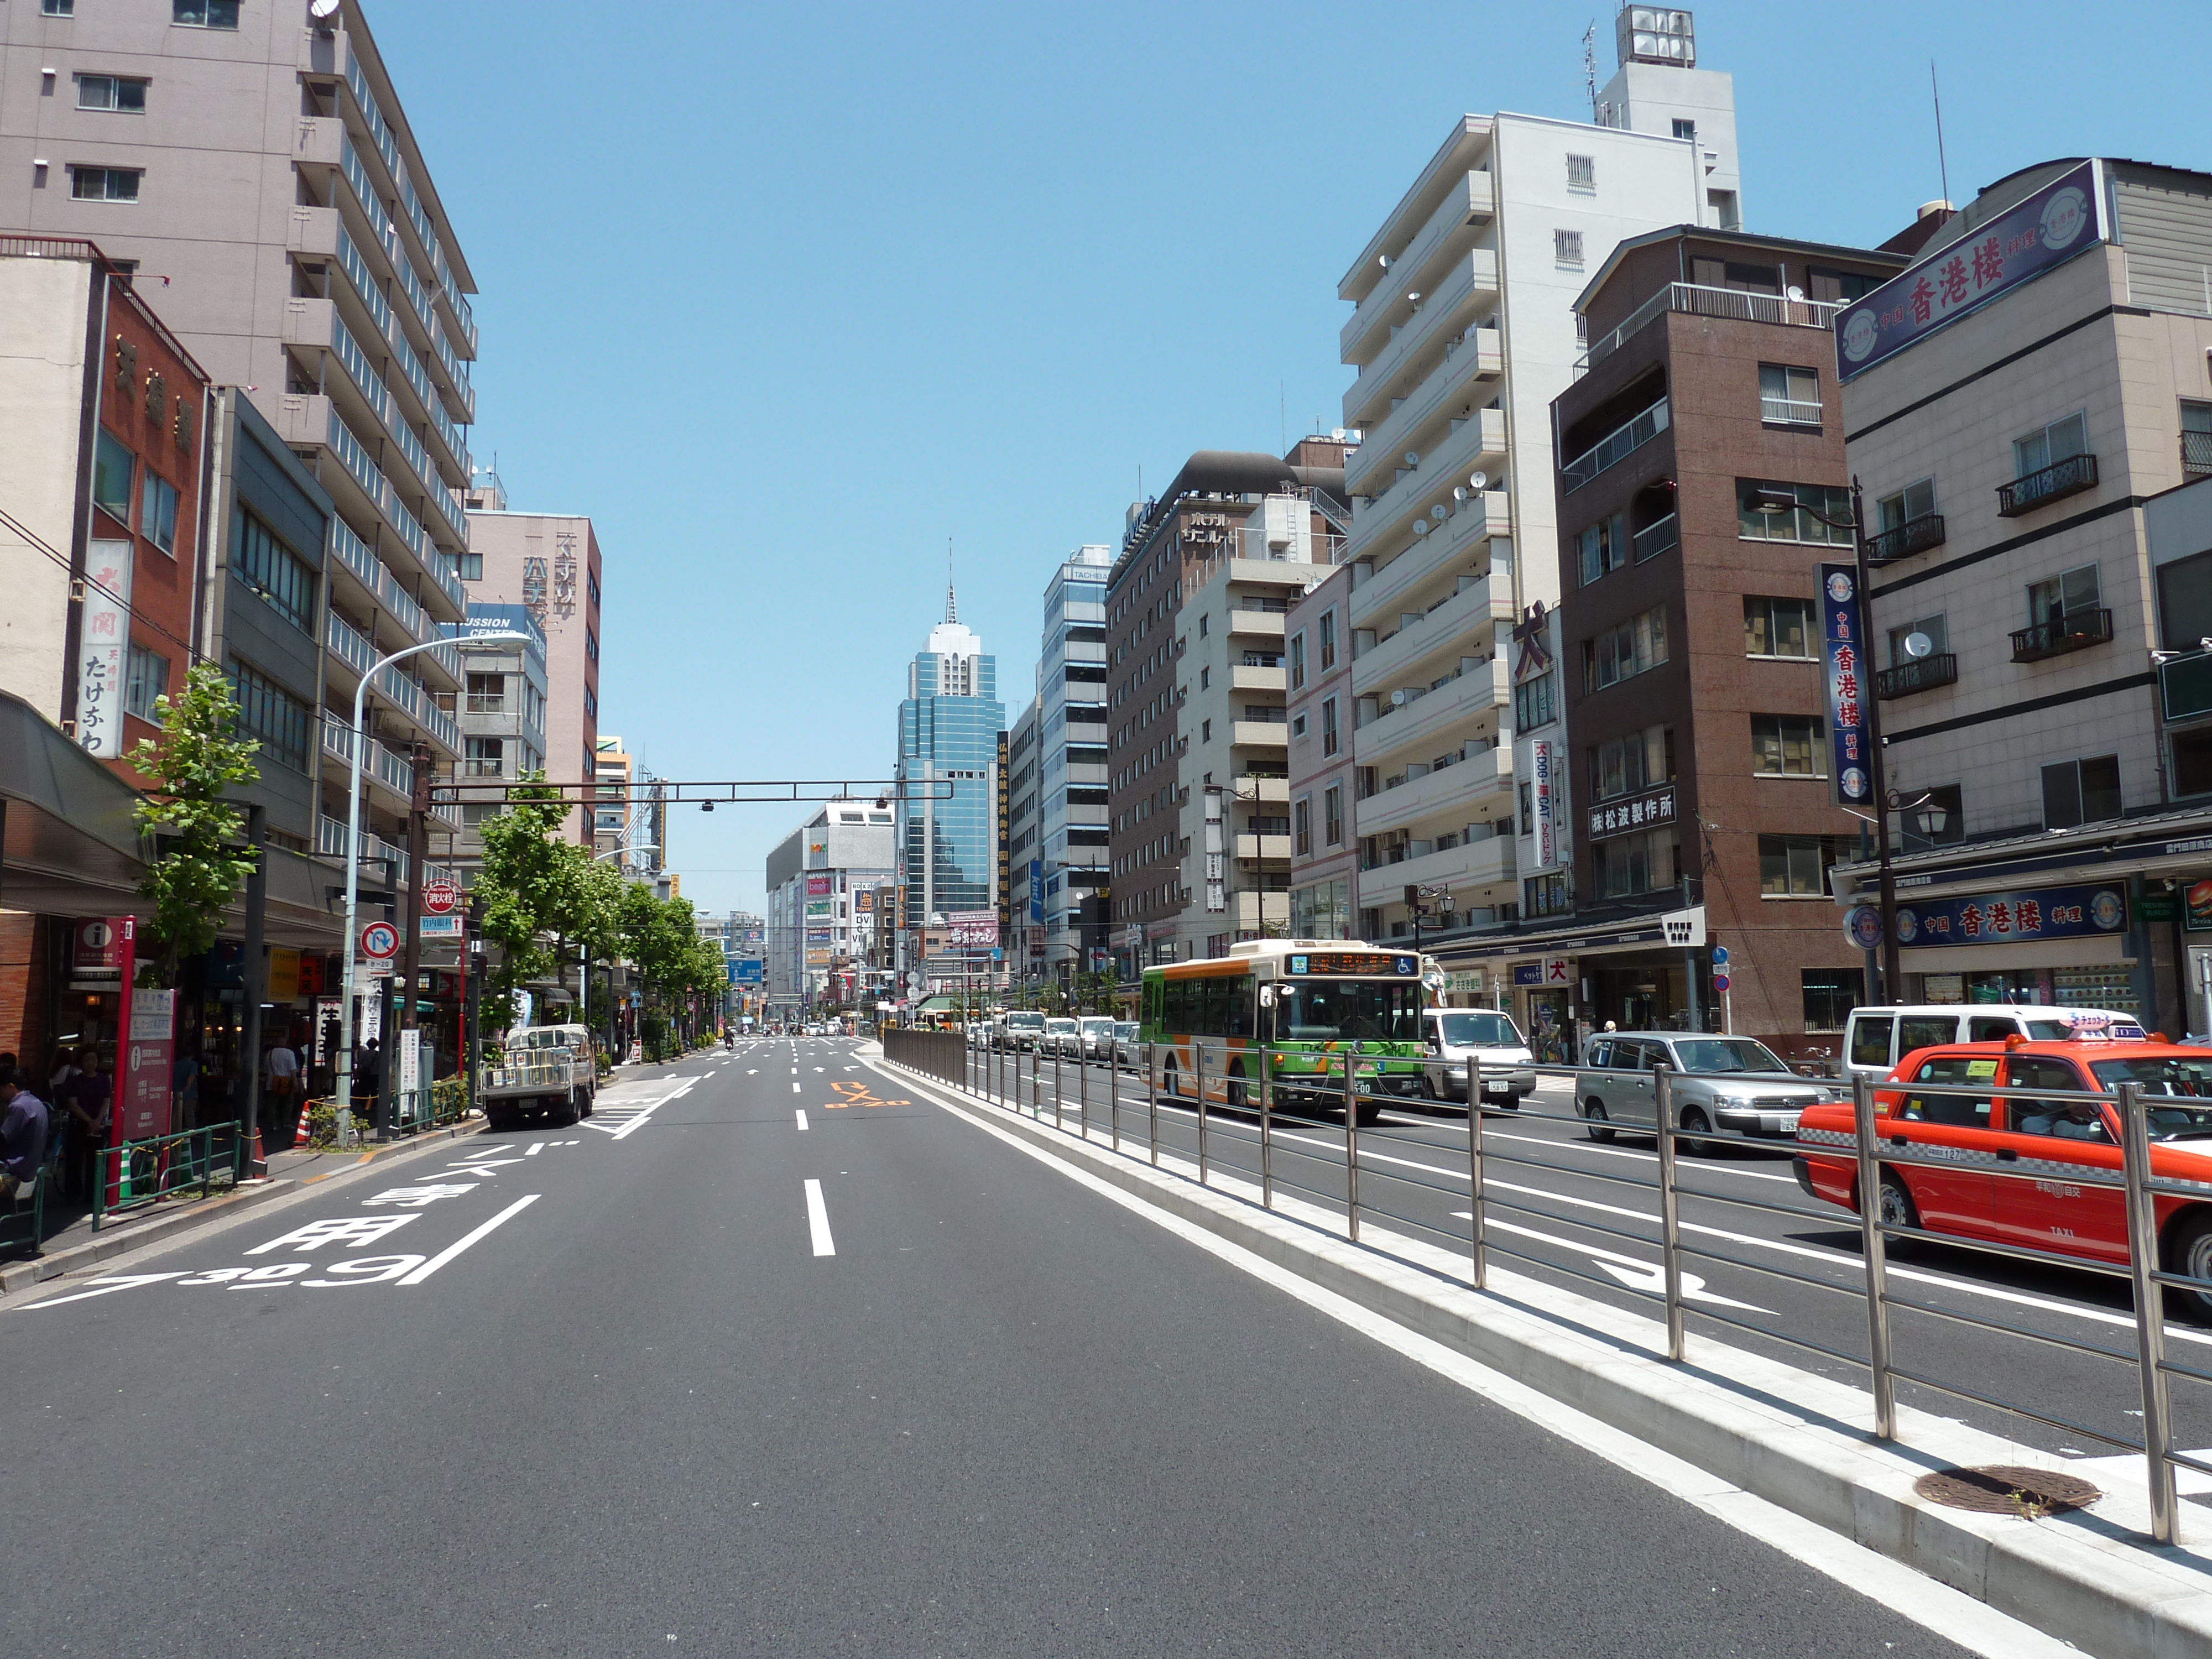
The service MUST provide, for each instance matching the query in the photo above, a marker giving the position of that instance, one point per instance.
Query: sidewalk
(73, 1245)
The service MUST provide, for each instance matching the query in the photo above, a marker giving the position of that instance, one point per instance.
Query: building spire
(951, 606)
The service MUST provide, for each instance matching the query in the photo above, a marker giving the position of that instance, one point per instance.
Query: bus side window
(1241, 992)
(1216, 1007)
(1178, 1010)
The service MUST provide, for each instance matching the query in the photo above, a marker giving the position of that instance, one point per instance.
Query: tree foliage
(203, 861)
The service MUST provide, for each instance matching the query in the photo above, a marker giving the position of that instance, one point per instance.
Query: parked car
(1876, 1039)
(1950, 1102)
(1059, 1036)
(1129, 1043)
(1727, 1083)
(1507, 1070)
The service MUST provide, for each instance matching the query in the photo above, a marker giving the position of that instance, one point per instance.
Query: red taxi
(2010, 1165)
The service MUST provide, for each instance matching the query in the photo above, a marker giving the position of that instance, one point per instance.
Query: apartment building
(1317, 699)
(502, 714)
(257, 161)
(1463, 329)
(1686, 662)
(826, 883)
(1223, 508)
(1072, 835)
(2016, 403)
(549, 564)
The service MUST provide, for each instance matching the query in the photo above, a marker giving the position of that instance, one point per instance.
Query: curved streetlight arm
(344, 1068)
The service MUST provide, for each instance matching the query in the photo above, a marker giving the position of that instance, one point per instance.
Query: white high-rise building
(1463, 330)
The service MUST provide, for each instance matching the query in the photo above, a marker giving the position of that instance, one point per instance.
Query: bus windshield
(1347, 1011)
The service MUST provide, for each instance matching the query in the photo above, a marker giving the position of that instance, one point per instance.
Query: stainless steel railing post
(1670, 1223)
(2150, 1314)
(1199, 1049)
(1083, 1084)
(1351, 1151)
(1153, 1102)
(1267, 1131)
(1872, 1244)
(1114, 1090)
(1055, 1085)
(1480, 1268)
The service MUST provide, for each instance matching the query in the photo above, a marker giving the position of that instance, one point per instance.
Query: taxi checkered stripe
(2047, 1168)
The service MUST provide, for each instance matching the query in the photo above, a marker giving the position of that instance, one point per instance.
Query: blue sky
(783, 296)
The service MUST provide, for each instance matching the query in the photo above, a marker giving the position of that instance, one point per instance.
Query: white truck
(549, 1071)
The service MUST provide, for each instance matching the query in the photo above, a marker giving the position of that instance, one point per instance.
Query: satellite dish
(1459, 493)
(1796, 294)
(1918, 644)
(1437, 513)
(1412, 457)
(1420, 526)
(323, 10)
(1397, 700)
(1478, 481)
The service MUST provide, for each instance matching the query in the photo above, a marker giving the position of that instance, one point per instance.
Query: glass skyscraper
(948, 746)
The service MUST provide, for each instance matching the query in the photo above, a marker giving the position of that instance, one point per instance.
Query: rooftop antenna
(951, 607)
(1943, 166)
(1589, 66)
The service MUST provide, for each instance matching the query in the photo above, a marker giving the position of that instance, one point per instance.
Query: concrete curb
(133, 1235)
(1801, 1441)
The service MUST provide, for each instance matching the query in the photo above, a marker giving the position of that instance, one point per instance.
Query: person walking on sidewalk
(90, 1100)
(24, 1126)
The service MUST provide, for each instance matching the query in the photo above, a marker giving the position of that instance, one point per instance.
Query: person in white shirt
(283, 1071)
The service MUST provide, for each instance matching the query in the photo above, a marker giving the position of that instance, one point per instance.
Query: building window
(204, 14)
(1838, 287)
(124, 92)
(1796, 866)
(1777, 628)
(469, 567)
(2070, 593)
(2080, 791)
(57, 8)
(1582, 175)
(1831, 993)
(1567, 248)
(113, 467)
(104, 183)
(1600, 548)
(590, 704)
(1329, 732)
(1786, 746)
(1633, 864)
(148, 678)
(591, 645)
(485, 756)
(1788, 396)
(1327, 640)
(1298, 723)
(1832, 501)
(1301, 826)
(1914, 500)
(2053, 444)
(487, 694)
(269, 714)
(1537, 701)
(1936, 627)
(1331, 815)
(261, 559)
(1622, 766)
(157, 513)
(1298, 660)
(1625, 651)
(1206, 679)
(1206, 731)
(1684, 129)
(1545, 896)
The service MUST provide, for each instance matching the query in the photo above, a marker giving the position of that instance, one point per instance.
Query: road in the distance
(944, 1402)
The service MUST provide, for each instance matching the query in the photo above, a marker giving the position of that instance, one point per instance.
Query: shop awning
(70, 846)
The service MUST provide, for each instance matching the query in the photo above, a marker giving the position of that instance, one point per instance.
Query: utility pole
(255, 951)
(410, 929)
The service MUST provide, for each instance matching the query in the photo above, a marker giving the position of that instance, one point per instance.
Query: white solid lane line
(468, 1238)
(817, 1219)
(800, 1114)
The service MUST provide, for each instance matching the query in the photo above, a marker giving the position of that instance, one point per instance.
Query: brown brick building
(1689, 629)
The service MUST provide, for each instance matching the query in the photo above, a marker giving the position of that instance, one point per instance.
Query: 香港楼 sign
(1843, 639)
(1624, 818)
(2064, 218)
(2023, 917)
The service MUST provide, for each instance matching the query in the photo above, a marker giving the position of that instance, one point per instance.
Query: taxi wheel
(2189, 1250)
(1898, 1210)
(1596, 1124)
(1696, 1123)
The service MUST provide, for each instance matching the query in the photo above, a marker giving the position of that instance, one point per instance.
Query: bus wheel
(1171, 1081)
(1236, 1084)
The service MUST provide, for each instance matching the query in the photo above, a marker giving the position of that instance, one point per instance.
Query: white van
(1509, 1070)
(1877, 1038)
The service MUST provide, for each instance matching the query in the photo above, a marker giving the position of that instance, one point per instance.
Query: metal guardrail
(136, 1173)
(1236, 1101)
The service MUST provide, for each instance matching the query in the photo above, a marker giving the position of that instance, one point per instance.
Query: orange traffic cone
(301, 1137)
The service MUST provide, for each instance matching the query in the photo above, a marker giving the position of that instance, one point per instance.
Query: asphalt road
(1561, 1205)
(690, 1377)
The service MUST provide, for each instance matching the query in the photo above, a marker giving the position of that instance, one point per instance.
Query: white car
(1501, 1053)
(1095, 1037)
(1060, 1036)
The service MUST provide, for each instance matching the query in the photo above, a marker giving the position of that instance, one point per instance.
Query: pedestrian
(24, 1126)
(369, 1069)
(283, 1072)
(91, 1100)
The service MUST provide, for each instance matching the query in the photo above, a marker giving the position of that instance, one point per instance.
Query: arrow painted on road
(108, 1287)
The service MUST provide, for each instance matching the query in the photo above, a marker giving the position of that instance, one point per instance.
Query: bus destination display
(1351, 962)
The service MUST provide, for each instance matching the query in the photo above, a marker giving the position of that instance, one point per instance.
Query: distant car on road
(1129, 1043)
(1727, 1083)
(1023, 1027)
(1059, 1036)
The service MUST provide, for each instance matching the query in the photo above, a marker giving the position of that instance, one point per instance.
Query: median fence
(138, 1173)
(1268, 1119)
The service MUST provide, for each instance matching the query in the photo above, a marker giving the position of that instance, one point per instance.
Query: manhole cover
(2001, 1489)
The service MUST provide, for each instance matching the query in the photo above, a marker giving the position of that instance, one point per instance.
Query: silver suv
(1507, 1070)
(1728, 1082)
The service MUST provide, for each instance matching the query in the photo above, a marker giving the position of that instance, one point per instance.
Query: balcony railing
(2197, 453)
(1656, 538)
(1700, 301)
(1919, 674)
(1914, 536)
(348, 646)
(2075, 631)
(2067, 477)
(1617, 445)
(1789, 411)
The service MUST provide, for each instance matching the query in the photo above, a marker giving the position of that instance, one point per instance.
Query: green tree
(202, 862)
(525, 888)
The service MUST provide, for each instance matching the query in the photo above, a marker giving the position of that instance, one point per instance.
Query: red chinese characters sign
(1843, 639)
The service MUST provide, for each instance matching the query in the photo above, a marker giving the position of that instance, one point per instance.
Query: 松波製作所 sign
(1843, 637)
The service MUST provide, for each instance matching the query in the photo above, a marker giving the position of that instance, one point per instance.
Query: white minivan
(1451, 1034)
(1877, 1038)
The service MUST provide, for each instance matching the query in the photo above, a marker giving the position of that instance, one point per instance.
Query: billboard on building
(1543, 790)
(1843, 639)
(973, 929)
(817, 885)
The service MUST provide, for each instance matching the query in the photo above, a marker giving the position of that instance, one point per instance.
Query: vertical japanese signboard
(103, 644)
(2064, 218)
(1843, 652)
(1543, 789)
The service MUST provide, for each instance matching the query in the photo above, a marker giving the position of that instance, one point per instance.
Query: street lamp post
(1772, 503)
(345, 1078)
